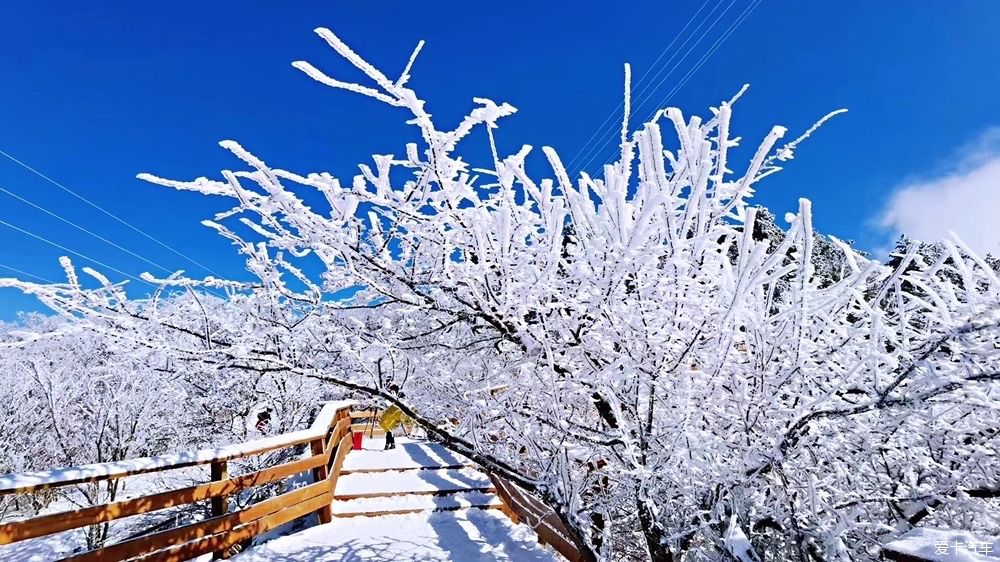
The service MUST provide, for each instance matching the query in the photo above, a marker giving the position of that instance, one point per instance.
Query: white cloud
(964, 199)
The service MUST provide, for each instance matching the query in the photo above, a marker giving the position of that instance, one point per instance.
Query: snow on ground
(42, 549)
(396, 503)
(412, 467)
(460, 536)
(410, 481)
(464, 535)
(407, 454)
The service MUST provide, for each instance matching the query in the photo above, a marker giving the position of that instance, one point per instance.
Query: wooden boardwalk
(418, 502)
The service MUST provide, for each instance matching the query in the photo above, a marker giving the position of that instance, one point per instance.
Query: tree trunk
(658, 550)
(587, 554)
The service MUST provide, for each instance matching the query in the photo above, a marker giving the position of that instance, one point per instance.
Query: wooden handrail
(329, 439)
(521, 507)
(34, 481)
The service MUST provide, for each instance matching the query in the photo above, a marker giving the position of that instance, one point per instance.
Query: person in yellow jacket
(391, 418)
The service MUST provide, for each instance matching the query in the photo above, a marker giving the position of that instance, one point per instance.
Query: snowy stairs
(416, 503)
(414, 477)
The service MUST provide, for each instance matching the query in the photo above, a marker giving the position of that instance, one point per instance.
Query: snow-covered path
(461, 536)
(417, 503)
(407, 454)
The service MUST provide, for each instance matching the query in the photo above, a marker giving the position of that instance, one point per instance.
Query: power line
(75, 253)
(710, 50)
(596, 150)
(701, 62)
(643, 77)
(74, 225)
(94, 234)
(686, 53)
(108, 213)
(26, 274)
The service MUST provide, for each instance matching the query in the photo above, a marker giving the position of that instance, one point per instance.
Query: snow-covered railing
(329, 438)
(521, 507)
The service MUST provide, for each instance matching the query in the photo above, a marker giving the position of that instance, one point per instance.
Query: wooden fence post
(224, 531)
(320, 474)
(220, 504)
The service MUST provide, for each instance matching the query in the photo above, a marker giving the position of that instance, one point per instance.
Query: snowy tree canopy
(79, 396)
(626, 346)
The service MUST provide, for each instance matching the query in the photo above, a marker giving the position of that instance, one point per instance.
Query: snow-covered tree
(86, 401)
(624, 346)
(81, 396)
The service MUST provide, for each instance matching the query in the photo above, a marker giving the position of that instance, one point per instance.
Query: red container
(357, 440)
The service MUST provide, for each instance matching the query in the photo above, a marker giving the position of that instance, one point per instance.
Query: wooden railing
(366, 422)
(329, 440)
(522, 507)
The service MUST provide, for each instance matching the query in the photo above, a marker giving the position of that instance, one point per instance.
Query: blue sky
(93, 93)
